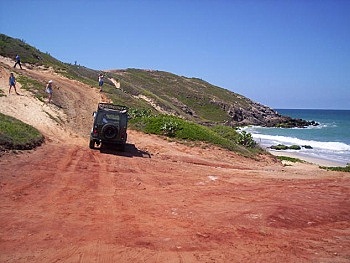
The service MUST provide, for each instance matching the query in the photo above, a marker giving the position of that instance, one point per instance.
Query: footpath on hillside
(160, 201)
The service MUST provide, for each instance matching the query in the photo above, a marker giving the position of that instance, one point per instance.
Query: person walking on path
(12, 83)
(49, 90)
(100, 81)
(18, 61)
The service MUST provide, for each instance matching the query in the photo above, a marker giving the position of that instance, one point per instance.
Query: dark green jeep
(110, 124)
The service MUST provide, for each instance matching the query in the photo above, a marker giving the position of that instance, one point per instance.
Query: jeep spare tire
(109, 131)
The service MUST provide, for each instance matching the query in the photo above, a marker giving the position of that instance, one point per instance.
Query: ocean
(330, 141)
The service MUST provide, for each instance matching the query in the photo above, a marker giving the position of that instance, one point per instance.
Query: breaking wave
(277, 139)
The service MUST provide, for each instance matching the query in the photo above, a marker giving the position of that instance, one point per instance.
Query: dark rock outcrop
(260, 115)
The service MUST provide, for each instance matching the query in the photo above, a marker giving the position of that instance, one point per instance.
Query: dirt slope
(160, 201)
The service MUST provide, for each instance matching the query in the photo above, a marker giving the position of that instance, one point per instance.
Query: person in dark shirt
(18, 61)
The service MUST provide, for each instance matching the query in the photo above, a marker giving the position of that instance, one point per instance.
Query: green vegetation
(246, 139)
(190, 98)
(34, 86)
(337, 168)
(241, 138)
(139, 113)
(15, 134)
(175, 127)
(289, 159)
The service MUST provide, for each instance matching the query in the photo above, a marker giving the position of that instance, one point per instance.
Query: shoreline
(309, 159)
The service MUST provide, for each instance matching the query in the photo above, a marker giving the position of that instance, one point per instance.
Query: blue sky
(283, 54)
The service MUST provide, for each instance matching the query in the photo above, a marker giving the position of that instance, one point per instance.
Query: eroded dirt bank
(160, 201)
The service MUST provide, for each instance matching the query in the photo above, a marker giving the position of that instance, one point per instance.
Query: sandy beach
(306, 158)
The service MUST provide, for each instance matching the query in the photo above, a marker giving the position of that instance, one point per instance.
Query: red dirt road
(160, 201)
(165, 202)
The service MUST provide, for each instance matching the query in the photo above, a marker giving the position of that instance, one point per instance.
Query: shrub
(226, 132)
(246, 139)
(139, 113)
(169, 128)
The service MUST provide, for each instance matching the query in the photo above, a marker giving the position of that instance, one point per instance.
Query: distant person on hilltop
(18, 61)
(12, 83)
(100, 81)
(49, 90)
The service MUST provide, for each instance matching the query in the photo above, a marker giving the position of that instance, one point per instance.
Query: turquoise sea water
(330, 140)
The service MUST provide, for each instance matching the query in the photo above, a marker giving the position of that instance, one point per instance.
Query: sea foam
(277, 139)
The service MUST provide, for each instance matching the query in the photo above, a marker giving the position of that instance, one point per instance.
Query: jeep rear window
(112, 117)
(104, 118)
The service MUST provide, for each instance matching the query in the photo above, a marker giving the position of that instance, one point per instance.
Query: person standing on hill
(49, 90)
(12, 83)
(100, 81)
(18, 61)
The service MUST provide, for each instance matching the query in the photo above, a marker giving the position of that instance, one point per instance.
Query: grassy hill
(10, 47)
(189, 98)
(158, 91)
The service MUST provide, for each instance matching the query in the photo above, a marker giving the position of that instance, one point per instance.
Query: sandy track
(161, 201)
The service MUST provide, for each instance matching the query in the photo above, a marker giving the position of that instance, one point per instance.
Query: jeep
(109, 127)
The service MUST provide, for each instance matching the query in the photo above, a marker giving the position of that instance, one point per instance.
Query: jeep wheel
(109, 131)
(92, 144)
